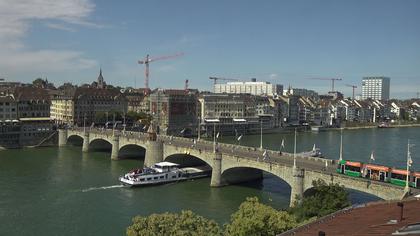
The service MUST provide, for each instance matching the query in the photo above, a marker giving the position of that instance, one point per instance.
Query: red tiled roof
(372, 219)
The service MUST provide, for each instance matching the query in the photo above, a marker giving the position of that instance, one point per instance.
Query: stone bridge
(233, 163)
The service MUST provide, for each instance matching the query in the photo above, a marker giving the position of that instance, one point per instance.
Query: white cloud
(15, 20)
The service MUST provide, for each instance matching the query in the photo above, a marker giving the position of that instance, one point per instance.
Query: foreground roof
(379, 218)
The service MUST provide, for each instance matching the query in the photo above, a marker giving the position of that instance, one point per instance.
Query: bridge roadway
(234, 163)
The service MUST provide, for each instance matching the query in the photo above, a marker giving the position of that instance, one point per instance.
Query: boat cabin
(376, 172)
(350, 168)
(165, 166)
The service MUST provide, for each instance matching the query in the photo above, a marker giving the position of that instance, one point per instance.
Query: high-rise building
(375, 87)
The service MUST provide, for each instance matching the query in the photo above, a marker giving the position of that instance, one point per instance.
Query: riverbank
(372, 127)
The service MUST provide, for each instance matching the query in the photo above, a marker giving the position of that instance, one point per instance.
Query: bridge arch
(100, 144)
(243, 173)
(132, 151)
(184, 159)
(75, 139)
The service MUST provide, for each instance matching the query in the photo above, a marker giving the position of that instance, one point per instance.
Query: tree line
(252, 217)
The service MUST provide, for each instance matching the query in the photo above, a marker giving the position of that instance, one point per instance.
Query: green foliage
(325, 200)
(254, 218)
(186, 224)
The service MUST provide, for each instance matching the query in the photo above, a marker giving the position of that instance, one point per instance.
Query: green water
(62, 191)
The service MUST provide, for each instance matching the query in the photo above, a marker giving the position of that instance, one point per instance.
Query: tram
(379, 173)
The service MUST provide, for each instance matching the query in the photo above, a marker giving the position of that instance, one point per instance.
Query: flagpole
(341, 145)
(294, 152)
(407, 188)
(261, 138)
(214, 137)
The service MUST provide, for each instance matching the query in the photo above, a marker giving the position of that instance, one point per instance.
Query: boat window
(161, 176)
(149, 178)
(155, 177)
(141, 179)
(179, 174)
(174, 176)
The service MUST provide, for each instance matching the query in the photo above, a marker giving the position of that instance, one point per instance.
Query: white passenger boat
(162, 172)
(315, 152)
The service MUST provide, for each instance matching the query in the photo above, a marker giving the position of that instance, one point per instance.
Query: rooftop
(379, 218)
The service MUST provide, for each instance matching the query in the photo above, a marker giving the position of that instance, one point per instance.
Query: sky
(279, 41)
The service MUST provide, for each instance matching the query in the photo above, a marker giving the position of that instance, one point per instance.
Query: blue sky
(282, 42)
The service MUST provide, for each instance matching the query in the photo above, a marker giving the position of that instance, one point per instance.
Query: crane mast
(147, 60)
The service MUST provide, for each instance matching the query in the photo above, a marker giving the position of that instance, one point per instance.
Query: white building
(375, 87)
(253, 87)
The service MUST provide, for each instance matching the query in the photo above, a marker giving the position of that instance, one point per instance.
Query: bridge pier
(154, 152)
(115, 147)
(297, 186)
(216, 172)
(62, 137)
(85, 147)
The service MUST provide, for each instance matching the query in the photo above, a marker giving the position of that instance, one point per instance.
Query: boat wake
(102, 188)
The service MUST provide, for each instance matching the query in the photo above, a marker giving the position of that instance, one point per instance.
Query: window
(155, 177)
(149, 178)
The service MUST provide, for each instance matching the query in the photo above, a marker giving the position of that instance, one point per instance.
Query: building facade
(79, 106)
(253, 87)
(174, 112)
(376, 88)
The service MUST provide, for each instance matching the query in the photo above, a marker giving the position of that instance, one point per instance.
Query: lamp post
(261, 135)
(341, 144)
(84, 124)
(214, 135)
(409, 161)
(199, 129)
(294, 151)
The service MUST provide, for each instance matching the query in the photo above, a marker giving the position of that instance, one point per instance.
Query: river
(62, 191)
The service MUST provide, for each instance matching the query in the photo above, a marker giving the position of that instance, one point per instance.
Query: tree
(324, 199)
(186, 224)
(254, 218)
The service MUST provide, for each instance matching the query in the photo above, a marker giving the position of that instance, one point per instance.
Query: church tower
(101, 82)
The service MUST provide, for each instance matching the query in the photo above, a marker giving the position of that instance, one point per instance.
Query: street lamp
(261, 136)
(84, 124)
(294, 151)
(199, 129)
(409, 163)
(341, 144)
(214, 134)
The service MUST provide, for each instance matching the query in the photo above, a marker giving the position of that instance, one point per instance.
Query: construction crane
(147, 61)
(215, 79)
(353, 86)
(332, 81)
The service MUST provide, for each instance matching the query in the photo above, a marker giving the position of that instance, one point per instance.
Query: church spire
(101, 82)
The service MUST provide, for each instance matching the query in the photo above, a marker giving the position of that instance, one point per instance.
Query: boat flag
(372, 156)
(265, 154)
(240, 137)
(314, 147)
(282, 143)
(182, 131)
(217, 135)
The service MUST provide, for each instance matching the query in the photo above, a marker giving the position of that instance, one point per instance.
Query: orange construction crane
(332, 81)
(147, 61)
(215, 79)
(353, 86)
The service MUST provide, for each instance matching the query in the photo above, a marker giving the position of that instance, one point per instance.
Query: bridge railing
(142, 135)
